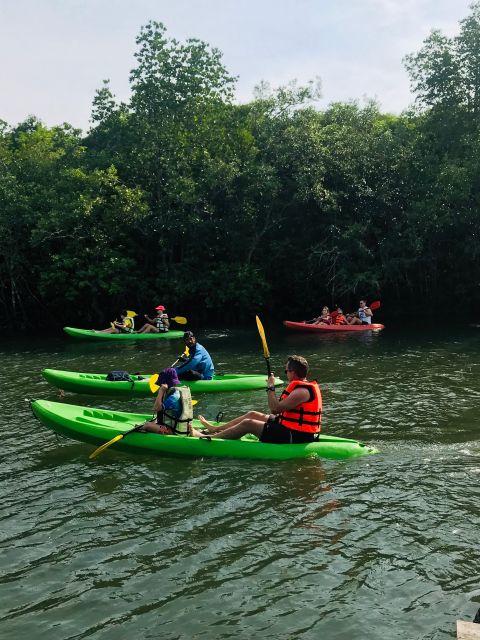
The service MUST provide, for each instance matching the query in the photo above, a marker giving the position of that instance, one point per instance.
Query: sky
(54, 54)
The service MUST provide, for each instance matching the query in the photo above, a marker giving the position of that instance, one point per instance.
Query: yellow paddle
(119, 437)
(179, 320)
(266, 353)
(130, 314)
(116, 439)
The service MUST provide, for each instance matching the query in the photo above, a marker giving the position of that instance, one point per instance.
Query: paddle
(179, 320)
(115, 439)
(266, 353)
(137, 427)
(130, 314)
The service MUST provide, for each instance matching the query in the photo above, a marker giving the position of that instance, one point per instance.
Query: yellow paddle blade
(187, 351)
(179, 320)
(112, 325)
(194, 402)
(131, 314)
(152, 383)
(104, 446)
(262, 336)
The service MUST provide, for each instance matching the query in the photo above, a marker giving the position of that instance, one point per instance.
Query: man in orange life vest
(295, 418)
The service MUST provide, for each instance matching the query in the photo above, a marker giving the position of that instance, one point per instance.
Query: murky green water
(130, 546)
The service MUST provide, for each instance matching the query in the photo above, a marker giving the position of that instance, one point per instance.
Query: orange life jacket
(307, 416)
(340, 319)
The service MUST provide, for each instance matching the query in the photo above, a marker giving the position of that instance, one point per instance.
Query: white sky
(54, 54)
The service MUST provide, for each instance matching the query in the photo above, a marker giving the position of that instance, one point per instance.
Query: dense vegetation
(222, 210)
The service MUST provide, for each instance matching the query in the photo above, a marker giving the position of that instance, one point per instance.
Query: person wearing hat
(159, 324)
(198, 365)
(167, 403)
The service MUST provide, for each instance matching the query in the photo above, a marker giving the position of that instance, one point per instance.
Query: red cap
(160, 308)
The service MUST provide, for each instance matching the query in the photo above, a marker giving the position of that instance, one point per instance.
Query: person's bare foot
(196, 433)
(206, 424)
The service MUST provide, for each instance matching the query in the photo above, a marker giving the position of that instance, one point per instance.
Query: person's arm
(290, 402)
(190, 364)
(157, 406)
(149, 319)
(368, 311)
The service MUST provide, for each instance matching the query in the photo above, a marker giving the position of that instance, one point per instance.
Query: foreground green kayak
(97, 384)
(91, 334)
(97, 426)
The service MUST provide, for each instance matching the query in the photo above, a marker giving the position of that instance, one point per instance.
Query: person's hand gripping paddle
(266, 353)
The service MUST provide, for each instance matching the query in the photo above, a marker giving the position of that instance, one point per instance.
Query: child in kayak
(173, 406)
(124, 325)
(339, 317)
(295, 418)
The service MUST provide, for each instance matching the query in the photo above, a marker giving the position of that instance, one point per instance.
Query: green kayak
(91, 334)
(97, 426)
(97, 384)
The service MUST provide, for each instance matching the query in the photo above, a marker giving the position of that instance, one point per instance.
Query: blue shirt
(200, 361)
(173, 403)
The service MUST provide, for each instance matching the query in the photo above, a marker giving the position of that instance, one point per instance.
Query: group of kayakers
(295, 417)
(125, 322)
(362, 316)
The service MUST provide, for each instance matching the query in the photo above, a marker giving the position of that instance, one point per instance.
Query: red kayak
(303, 326)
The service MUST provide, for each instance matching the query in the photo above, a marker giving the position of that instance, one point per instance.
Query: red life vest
(307, 416)
(340, 319)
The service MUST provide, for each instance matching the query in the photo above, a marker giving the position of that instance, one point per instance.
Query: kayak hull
(320, 328)
(91, 334)
(97, 384)
(97, 426)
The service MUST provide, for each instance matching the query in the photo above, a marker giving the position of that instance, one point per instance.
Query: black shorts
(275, 433)
(190, 375)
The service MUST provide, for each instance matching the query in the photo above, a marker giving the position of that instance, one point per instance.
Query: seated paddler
(198, 365)
(295, 417)
(172, 406)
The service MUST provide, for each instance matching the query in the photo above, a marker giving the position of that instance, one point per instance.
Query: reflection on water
(382, 547)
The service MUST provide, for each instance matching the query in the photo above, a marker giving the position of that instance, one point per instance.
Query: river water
(132, 546)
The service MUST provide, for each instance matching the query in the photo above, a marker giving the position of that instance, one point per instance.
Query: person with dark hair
(173, 406)
(363, 315)
(198, 365)
(123, 324)
(159, 324)
(295, 418)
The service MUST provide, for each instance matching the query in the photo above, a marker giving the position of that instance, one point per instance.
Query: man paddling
(199, 364)
(364, 315)
(295, 418)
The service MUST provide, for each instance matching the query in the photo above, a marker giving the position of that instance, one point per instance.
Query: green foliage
(222, 210)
